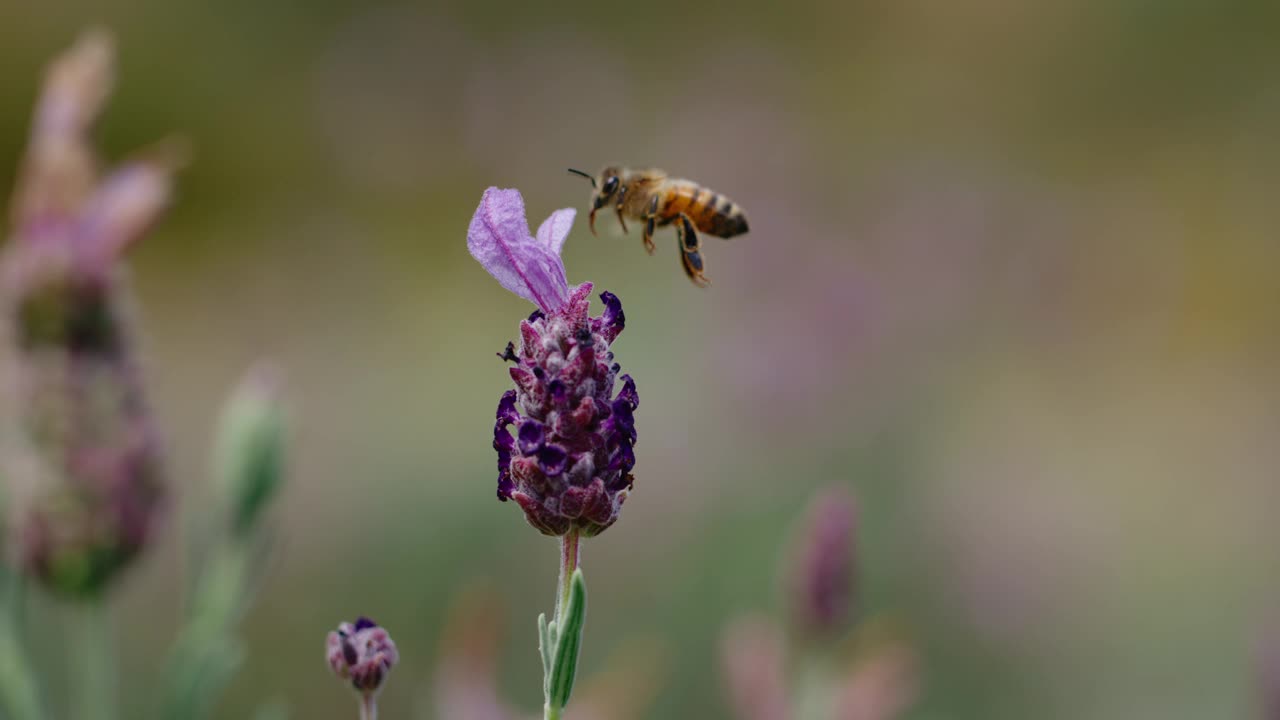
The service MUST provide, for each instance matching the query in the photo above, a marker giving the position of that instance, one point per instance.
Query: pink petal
(499, 240)
(123, 207)
(553, 230)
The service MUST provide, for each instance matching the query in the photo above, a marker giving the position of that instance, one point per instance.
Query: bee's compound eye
(610, 185)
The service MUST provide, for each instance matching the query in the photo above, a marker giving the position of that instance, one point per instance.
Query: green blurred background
(1011, 277)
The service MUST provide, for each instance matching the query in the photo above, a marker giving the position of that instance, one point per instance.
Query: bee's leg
(622, 197)
(691, 258)
(650, 222)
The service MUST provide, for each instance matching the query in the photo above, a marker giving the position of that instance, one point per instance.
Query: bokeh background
(1011, 278)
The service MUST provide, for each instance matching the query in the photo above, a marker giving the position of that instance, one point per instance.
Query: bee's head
(604, 188)
(608, 185)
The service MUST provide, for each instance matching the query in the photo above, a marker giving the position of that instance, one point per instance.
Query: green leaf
(545, 648)
(564, 666)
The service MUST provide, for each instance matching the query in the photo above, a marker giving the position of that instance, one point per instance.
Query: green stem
(19, 695)
(94, 692)
(368, 707)
(569, 556)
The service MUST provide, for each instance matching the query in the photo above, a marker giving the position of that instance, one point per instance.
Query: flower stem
(368, 707)
(94, 667)
(569, 557)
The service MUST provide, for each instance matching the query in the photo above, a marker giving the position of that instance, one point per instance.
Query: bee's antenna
(589, 177)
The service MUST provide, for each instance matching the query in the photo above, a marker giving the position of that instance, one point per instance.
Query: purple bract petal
(613, 320)
(553, 230)
(502, 440)
(628, 392)
(624, 459)
(507, 408)
(499, 239)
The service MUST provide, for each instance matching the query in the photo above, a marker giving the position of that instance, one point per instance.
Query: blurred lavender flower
(569, 465)
(89, 471)
(364, 654)
(881, 684)
(822, 574)
(752, 652)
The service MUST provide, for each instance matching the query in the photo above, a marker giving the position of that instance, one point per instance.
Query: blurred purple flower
(362, 653)
(569, 465)
(90, 471)
(822, 574)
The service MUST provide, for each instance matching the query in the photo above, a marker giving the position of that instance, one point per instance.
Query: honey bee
(656, 200)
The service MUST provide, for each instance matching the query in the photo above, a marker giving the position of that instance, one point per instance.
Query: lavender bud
(86, 459)
(822, 572)
(362, 653)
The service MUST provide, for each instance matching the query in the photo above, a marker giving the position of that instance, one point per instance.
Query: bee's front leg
(650, 222)
(691, 258)
(622, 197)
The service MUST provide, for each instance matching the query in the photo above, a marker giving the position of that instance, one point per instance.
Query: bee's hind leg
(650, 221)
(691, 258)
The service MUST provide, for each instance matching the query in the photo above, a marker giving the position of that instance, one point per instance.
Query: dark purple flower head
(569, 463)
(89, 469)
(822, 572)
(362, 653)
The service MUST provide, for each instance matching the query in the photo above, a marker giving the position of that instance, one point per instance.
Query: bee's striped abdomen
(678, 198)
(710, 212)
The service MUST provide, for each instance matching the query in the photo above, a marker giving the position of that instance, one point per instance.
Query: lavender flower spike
(569, 463)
